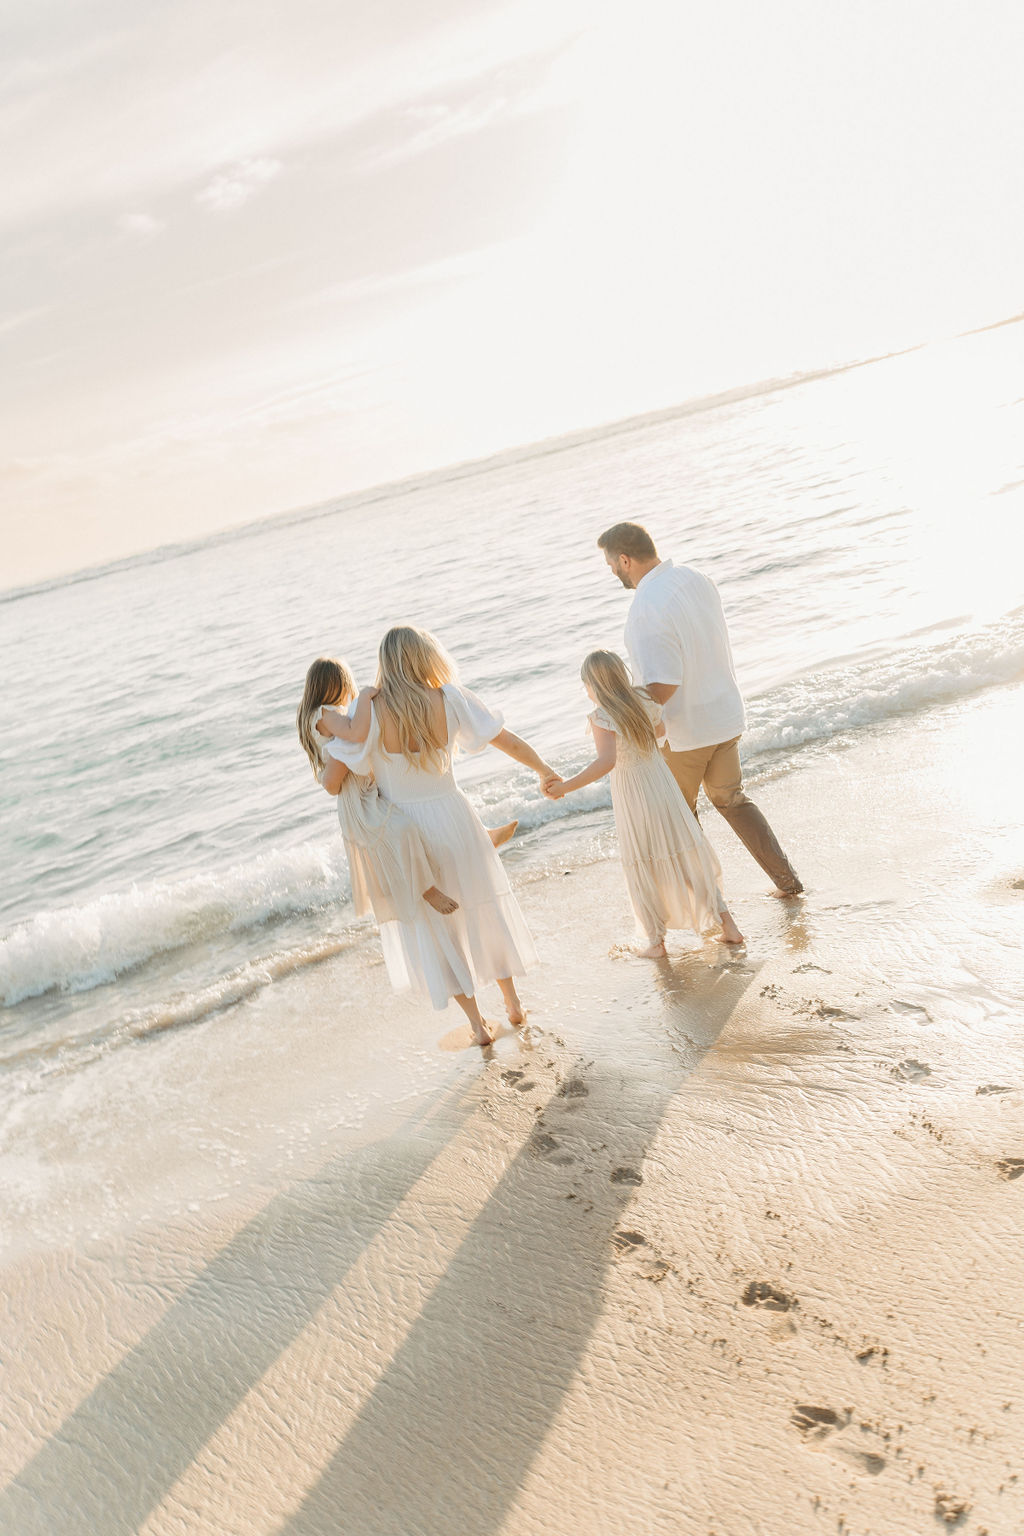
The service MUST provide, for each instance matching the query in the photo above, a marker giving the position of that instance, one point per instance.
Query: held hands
(553, 787)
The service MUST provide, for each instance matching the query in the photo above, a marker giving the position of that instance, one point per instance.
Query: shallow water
(166, 849)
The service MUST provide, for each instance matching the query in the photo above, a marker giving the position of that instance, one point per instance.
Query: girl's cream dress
(672, 872)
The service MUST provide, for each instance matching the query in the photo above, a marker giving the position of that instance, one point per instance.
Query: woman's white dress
(487, 937)
(388, 865)
(672, 872)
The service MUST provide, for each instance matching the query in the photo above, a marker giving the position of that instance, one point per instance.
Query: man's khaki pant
(718, 769)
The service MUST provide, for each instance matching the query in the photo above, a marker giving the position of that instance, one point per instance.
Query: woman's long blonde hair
(606, 676)
(328, 681)
(411, 662)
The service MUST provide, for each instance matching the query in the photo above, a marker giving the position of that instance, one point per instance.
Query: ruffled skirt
(487, 937)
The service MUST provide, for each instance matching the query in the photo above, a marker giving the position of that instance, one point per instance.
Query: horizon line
(464, 469)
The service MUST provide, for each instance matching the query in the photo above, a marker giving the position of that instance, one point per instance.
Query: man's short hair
(628, 539)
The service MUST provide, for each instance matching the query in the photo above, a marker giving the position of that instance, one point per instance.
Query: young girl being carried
(389, 867)
(672, 872)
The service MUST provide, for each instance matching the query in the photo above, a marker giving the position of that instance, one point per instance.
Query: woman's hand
(553, 788)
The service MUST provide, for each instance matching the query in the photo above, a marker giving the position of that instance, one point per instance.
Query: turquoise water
(165, 847)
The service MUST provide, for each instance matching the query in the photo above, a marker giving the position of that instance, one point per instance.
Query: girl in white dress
(418, 719)
(672, 872)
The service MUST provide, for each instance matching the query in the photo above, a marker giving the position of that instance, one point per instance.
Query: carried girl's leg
(499, 836)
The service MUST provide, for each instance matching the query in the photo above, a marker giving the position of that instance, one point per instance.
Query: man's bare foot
(499, 836)
(483, 1033)
(440, 902)
(653, 951)
(796, 889)
(730, 933)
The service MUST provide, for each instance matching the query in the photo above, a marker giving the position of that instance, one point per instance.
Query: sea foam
(76, 948)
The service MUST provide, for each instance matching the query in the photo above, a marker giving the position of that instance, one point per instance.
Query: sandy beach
(723, 1245)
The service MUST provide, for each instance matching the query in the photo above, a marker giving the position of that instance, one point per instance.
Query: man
(679, 648)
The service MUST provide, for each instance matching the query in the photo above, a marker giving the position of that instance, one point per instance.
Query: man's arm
(661, 692)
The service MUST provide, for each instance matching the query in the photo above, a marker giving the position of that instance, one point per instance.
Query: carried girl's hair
(328, 681)
(605, 674)
(411, 662)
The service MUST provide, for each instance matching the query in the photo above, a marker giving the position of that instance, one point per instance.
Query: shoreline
(724, 1243)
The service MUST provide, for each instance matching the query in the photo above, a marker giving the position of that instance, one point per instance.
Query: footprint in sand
(542, 1144)
(809, 965)
(817, 1008)
(647, 1264)
(994, 1088)
(912, 1071)
(898, 1006)
(825, 1429)
(573, 1088)
(625, 1176)
(760, 1294)
(1010, 1167)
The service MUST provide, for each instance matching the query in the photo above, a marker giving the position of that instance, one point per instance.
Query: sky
(254, 256)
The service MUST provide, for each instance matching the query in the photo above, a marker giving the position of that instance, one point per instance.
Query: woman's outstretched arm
(515, 747)
(355, 728)
(603, 763)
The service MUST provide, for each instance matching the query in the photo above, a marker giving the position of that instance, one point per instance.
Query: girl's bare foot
(513, 1007)
(483, 1033)
(653, 951)
(499, 836)
(730, 933)
(440, 902)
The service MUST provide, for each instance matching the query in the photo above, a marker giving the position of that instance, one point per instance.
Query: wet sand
(728, 1244)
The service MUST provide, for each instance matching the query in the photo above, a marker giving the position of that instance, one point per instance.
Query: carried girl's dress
(487, 937)
(388, 864)
(672, 872)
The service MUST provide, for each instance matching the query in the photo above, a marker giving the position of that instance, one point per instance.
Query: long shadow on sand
(430, 1450)
(444, 1441)
(116, 1456)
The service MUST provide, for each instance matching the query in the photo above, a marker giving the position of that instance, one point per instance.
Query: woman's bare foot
(730, 933)
(483, 1033)
(499, 836)
(440, 902)
(653, 951)
(513, 1007)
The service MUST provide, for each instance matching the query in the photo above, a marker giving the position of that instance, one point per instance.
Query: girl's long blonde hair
(606, 676)
(411, 662)
(328, 681)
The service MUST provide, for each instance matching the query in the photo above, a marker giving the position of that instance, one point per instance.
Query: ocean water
(166, 851)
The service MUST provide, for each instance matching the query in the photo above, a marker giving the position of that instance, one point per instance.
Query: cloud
(140, 226)
(234, 187)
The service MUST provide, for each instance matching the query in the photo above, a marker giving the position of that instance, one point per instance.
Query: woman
(419, 716)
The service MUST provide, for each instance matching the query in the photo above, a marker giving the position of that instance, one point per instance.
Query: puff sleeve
(473, 725)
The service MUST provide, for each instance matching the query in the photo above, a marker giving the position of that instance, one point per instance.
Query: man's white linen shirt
(676, 634)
